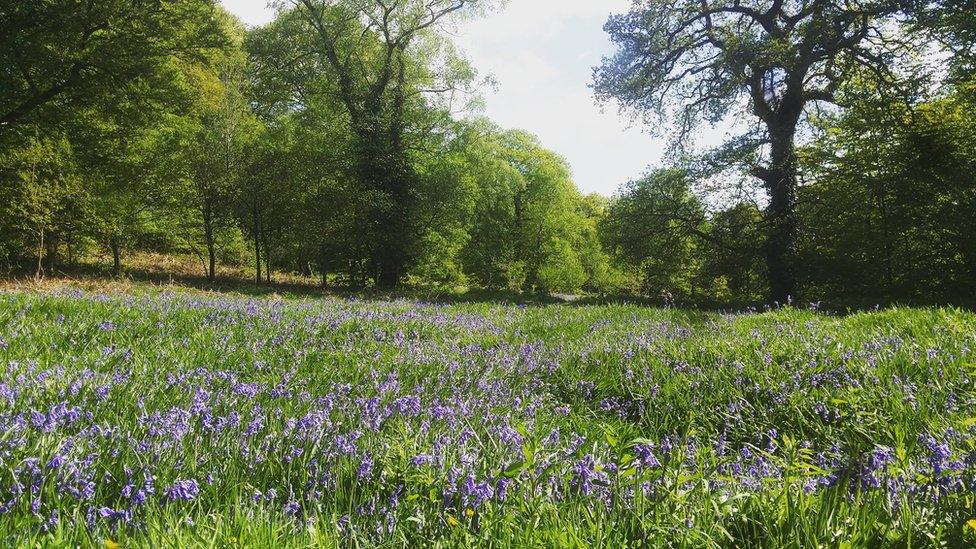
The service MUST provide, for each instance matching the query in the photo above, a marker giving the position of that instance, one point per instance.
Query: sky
(541, 54)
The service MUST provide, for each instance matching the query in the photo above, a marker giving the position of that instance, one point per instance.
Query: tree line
(338, 142)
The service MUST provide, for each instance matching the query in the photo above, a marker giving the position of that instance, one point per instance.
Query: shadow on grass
(100, 277)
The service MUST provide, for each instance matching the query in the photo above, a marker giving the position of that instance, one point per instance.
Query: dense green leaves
(328, 143)
(675, 249)
(322, 143)
(531, 228)
(891, 212)
(65, 54)
(712, 61)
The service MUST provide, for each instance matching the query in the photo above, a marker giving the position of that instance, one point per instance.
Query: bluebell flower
(183, 490)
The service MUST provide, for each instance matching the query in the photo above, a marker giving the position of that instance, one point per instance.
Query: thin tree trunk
(324, 267)
(267, 260)
(888, 251)
(39, 271)
(257, 250)
(211, 262)
(51, 251)
(116, 256)
(208, 234)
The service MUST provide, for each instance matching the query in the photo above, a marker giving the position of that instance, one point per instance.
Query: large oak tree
(704, 60)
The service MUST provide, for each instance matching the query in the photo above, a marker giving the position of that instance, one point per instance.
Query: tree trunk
(212, 262)
(39, 271)
(389, 268)
(886, 240)
(354, 272)
(267, 260)
(393, 256)
(116, 256)
(324, 266)
(208, 235)
(781, 223)
(51, 251)
(382, 166)
(257, 250)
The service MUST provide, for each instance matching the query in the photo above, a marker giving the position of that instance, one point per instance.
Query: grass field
(149, 418)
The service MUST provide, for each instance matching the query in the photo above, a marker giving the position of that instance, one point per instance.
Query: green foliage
(892, 210)
(386, 67)
(531, 229)
(661, 231)
(733, 261)
(325, 143)
(683, 64)
(66, 54)
(43, 195)
(651, 228)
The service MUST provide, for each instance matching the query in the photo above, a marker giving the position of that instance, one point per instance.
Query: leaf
(513, 470)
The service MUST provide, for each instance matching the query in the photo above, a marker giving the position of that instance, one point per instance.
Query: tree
(703, 59)
(652, 226)
(225, 129)
(888, 213)
(107, 75)
(731, 254)
(658, 228)
(42, 194)
(528, 226)
(953, 24)
(373, 51)
(601, 275)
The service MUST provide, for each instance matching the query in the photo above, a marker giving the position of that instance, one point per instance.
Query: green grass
(784, 429)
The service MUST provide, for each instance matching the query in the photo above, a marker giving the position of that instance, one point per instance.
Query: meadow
(151, 418)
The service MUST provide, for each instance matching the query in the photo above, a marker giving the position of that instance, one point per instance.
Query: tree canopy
(775, 59)
(339, 143)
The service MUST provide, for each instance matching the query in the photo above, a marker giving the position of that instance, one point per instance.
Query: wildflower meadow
(153, 418)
